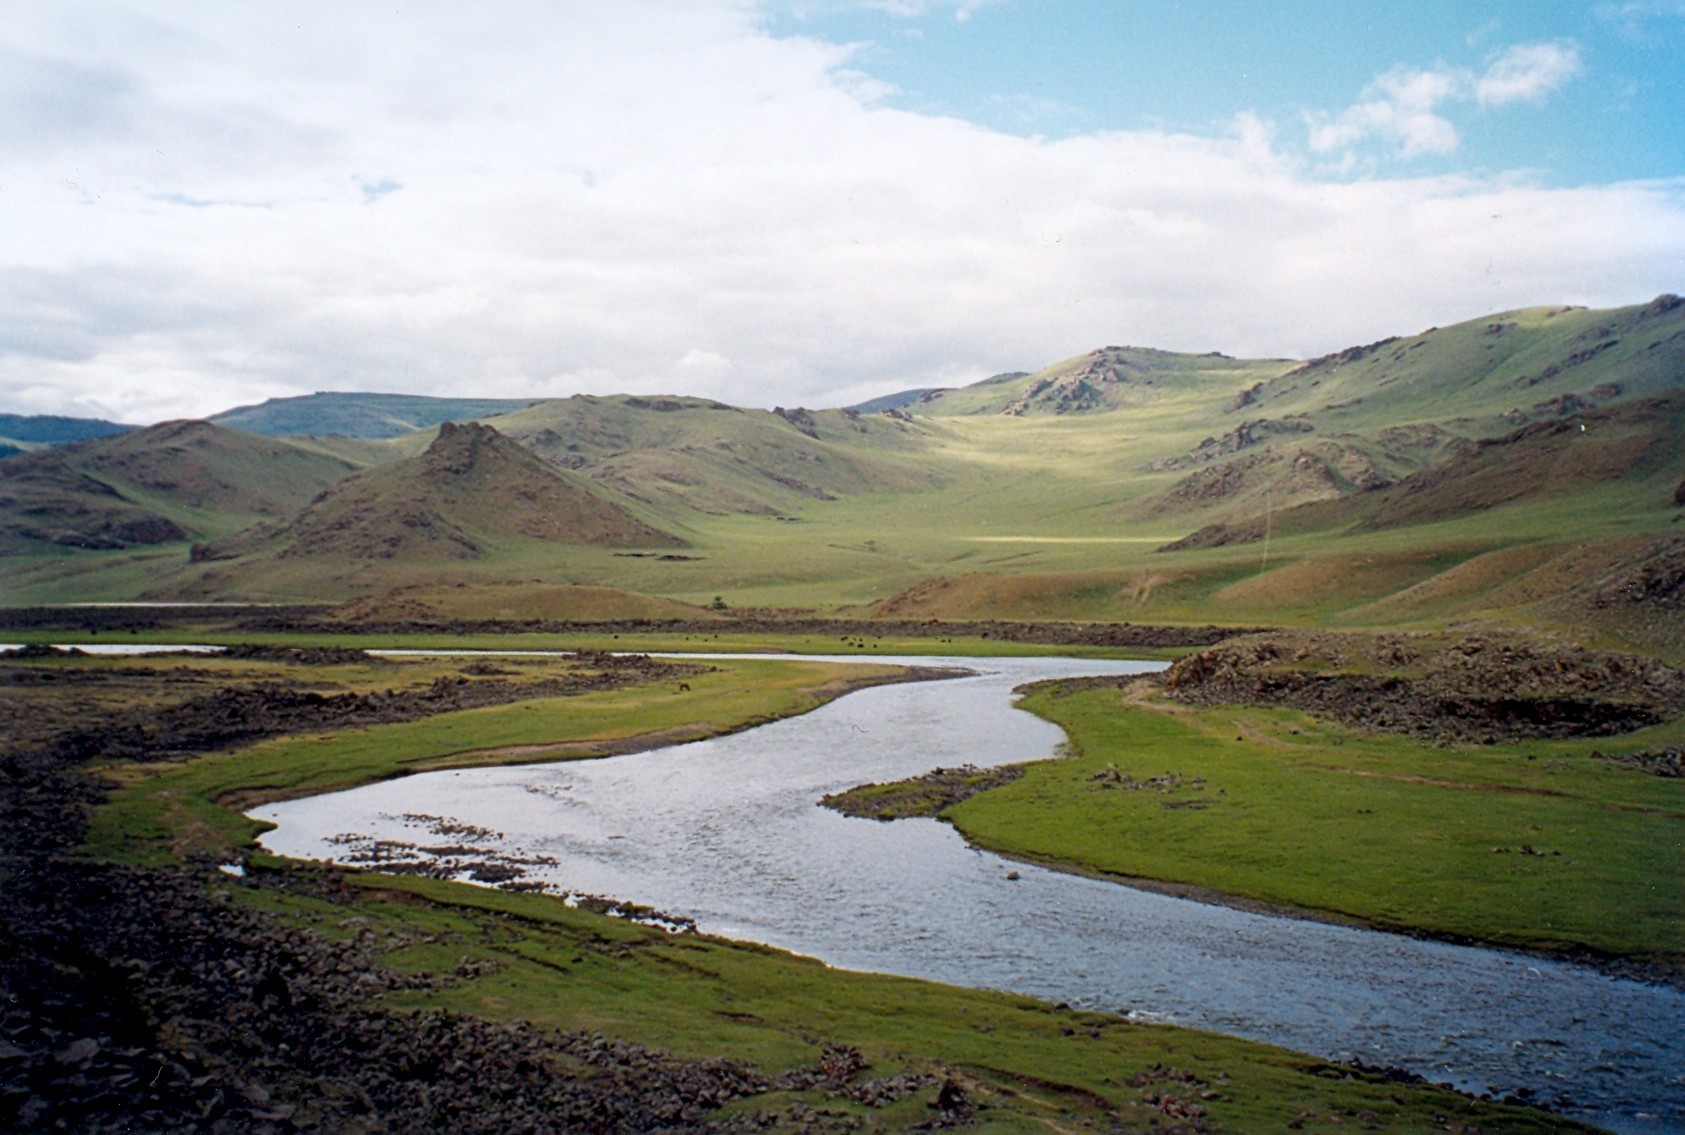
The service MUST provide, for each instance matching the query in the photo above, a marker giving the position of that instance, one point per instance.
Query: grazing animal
(684, 687)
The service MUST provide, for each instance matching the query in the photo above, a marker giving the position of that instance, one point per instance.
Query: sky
(799, 202)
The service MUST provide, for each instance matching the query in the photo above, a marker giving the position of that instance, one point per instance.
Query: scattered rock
(1481, 688)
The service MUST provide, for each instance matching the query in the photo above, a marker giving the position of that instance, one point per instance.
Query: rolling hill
(1523, 465)
(694, 455)
(1110, 378)
(472, 494)
(159, 485)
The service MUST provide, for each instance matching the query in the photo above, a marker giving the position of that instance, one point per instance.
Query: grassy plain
(163, 813)
(1030, 1067)
(1534, 845)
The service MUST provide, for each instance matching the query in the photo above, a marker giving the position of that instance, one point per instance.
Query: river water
(728, 832)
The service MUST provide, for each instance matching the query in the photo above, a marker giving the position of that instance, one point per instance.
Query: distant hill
(690, 455)
(899, 400)
(1525, 465)
(1110, 378)
(162, 484)
(472, 493)
(359, 415)
(27, 431)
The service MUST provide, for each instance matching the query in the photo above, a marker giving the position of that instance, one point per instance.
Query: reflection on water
(727, 832)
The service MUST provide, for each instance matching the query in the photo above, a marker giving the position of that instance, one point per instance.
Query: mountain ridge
(1122, 483)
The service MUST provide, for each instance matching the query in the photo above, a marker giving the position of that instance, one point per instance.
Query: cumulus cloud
(1403, 106)
(1527, 73)
(233, 203)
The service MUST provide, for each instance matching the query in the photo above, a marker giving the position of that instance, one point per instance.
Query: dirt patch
(232, 716)
(926, 795)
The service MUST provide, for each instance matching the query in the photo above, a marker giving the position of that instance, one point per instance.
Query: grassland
(1026, 1066)
(164, 813)
(1536, 846)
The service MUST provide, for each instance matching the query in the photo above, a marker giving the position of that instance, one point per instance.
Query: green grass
(162, 813)
(1275, 807)
(1031, 1067)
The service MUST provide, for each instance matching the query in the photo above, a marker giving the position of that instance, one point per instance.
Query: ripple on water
(727, 832)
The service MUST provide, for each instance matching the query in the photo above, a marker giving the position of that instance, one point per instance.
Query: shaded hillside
(699, 455)
(472, 492)
(359, 415)
(46, 501)
(1110, 378)
(157, 485)
(1639, 442)
(899, 400)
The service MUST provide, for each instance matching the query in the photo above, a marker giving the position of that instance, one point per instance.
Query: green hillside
(472, 495)
(693, 455)
(1413, 481)
(161, 485)
(1110, 378)
(1489, 374)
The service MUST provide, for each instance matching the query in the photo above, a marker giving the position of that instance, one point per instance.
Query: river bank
(1428, 785)
(300, 999)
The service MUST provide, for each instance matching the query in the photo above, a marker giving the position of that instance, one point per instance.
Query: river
(728, 832)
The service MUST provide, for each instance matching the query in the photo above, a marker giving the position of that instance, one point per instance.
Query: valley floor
(145, 988)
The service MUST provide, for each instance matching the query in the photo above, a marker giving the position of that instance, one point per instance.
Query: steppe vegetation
(298, 997)
(1427, 597)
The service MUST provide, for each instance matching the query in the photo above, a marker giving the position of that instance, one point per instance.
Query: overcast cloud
(207, 205)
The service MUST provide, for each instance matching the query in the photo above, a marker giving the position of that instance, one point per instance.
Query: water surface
(727, 832)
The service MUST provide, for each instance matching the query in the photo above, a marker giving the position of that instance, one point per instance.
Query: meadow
(1022, 1065)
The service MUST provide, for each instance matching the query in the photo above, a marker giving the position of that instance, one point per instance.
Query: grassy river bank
(249, 1003)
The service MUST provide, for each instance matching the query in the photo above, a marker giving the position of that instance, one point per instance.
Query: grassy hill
(1107, 379)
(358, 415)
(160, 485)
(1489, 374)
(693, 455)
(471, 495)
(1509, 467)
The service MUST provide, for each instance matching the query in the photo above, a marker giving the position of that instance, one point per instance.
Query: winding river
(727, 832)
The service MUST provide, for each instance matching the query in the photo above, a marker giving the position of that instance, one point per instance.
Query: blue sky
(798, 202)
(1063, 67)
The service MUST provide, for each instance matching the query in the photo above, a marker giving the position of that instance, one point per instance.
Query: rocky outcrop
(1482, 688)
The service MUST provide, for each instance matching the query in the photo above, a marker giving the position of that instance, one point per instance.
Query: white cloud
(245, 202)
(1528, 72)
(962, 9)
(1403, 107)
